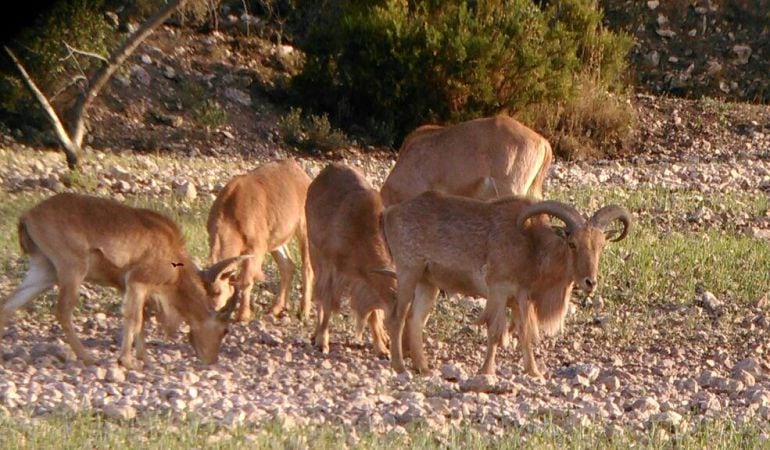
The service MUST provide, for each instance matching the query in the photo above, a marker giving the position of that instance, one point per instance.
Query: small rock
(646, 404)
(485, 383)
(140, 75)
(665, 33)
(112, 18)
(709, 302)
(119, 412)
(653, 4)
(671, 420)
(452, 372)
(763, 301)
(186, 191)
(169, 72)
(238, 96)
(120, 172)
(115, 375)
(742, 53)
(146, 59)
(760, 233)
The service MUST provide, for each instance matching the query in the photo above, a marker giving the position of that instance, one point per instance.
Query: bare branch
(100, 78)
(71, 150)
(73, 81)
(72, 50)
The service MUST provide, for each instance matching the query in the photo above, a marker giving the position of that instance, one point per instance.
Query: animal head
(207, 336)
(208, 326)
(219, 279)
(585, 238)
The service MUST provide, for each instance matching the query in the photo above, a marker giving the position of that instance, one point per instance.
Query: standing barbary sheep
(484, 159)
(256, 213)
(72, 238)
(346, 247)
(503, 251)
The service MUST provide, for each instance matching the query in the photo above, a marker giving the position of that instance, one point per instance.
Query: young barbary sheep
(346, 248)
(485, 158)
(498, 250)
(256, 213)
(72, 238)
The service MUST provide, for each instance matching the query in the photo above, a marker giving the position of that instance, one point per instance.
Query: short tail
(536, 189)
(26, 243)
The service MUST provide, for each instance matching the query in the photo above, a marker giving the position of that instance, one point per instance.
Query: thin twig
(74, 80)
(72, 50)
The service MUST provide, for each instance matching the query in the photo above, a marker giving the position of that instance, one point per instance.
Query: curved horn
(211, 273)
(566, 213)
(226, 312)
(610, 213)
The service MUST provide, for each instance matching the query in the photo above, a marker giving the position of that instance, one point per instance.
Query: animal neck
(190, 300)
(557, 264)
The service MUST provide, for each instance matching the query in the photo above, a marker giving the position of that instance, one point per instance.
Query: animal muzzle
(588, 285)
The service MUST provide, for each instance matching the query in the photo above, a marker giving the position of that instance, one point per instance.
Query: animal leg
(40, 277)
(424, 301)
(407, 282)
(497, 329)
(133, 322)
(251, 271)
(322, 296)
(307, 273)
(528, 333)
(286, 267)
(379, 335)
(70, 280)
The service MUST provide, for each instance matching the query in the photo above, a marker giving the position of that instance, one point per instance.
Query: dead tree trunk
(71, 139)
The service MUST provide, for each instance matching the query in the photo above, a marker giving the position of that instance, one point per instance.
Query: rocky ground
(268, 369)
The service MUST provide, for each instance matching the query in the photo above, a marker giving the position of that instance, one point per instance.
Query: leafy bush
(313, 134)
(401, 64)
(593, 123)
(209, 114)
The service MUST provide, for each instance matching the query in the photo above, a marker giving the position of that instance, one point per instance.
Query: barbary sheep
(346, 250)
(504, 251)
(73, 238)
(484, 158)
(253, 214)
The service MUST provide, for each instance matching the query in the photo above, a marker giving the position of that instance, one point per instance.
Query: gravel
(269, 371)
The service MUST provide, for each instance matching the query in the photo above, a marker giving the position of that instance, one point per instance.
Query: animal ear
(229, 275)
(614, 234)
(225, 314)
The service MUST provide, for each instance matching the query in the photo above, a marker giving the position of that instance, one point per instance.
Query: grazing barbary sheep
(256, 213)
(505, 251)
(72, 238)
(346, 247)
(484, 159)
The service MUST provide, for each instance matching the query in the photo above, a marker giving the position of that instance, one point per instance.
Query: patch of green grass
(82, 430)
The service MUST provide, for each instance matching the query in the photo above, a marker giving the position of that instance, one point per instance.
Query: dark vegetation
(374, 70)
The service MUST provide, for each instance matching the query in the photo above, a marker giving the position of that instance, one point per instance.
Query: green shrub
(593, 123)
(209, 114)
(401, 64)
(313, 134)
(290, 127)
